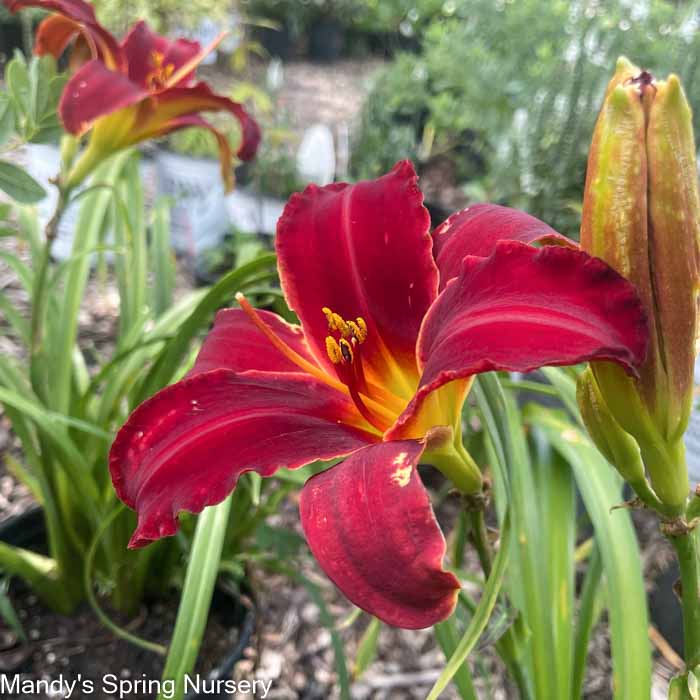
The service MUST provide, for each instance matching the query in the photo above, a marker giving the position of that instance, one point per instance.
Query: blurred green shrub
(161, 15)
(370, 16)
(509, 91)
(274, 171)
(200, 143)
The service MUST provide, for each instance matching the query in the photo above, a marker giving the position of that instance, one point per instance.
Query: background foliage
(509, 92)
(161, 15)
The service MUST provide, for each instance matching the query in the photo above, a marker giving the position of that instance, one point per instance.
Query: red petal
(79, 10)
(93, 92)
(178, 102)
(477, 229)
(185, 448)
(54, 34)
(235, 343)
(361, 250)
(524, 308)
(141, 43)
(371, 527)
(103, 44)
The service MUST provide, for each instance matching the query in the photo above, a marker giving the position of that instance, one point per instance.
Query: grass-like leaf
(481, 615)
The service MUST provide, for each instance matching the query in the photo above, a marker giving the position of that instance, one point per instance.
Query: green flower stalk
(641, 214)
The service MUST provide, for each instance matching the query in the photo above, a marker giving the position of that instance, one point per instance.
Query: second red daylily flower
(128, 92)
(157, 95)
(394, 324)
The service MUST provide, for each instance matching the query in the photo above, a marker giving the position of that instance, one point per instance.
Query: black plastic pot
(10, 38)
(326, 40)
(277, 42)
(665, 608)
(28, 530)
(438, 213)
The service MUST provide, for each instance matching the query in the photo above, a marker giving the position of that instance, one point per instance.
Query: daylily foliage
(126, 92)
(394, 323)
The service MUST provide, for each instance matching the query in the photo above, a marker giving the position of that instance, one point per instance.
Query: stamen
(337, 323)
(333, 350)
(288, 352)
(161, 73)
(377, 415)
(186, 68)
(358, 328)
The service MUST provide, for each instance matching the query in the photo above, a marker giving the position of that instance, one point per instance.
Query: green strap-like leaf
(173, 353)
(367, 648)
(481, 616)
(91, 219)
(192, 615)
(70, 456)
(8, 613)
(590, 608)
(162, 258)
(447, 638)
(600, 487)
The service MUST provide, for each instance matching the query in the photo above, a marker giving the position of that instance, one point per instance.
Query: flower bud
(615, 444)
(641, 215)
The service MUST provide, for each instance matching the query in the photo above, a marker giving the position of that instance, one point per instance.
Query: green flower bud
(641, 214)
(615, 444)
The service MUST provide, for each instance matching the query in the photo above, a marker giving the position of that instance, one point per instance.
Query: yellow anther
(161, 73)
(341, 325)
(333, 350)
(346, 350)
(358, 328)
(349, 330)
(336, 322)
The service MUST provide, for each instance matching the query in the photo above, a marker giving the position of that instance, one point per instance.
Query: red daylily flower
(128, 92)
(394, 323)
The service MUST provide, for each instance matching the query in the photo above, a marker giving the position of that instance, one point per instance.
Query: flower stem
(39, 295)
(480, 540)
(685, 544)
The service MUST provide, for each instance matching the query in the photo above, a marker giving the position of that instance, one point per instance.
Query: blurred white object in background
(199, 219)
(43, 163)
(275, 74)
(251, 212)
(316, 155)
